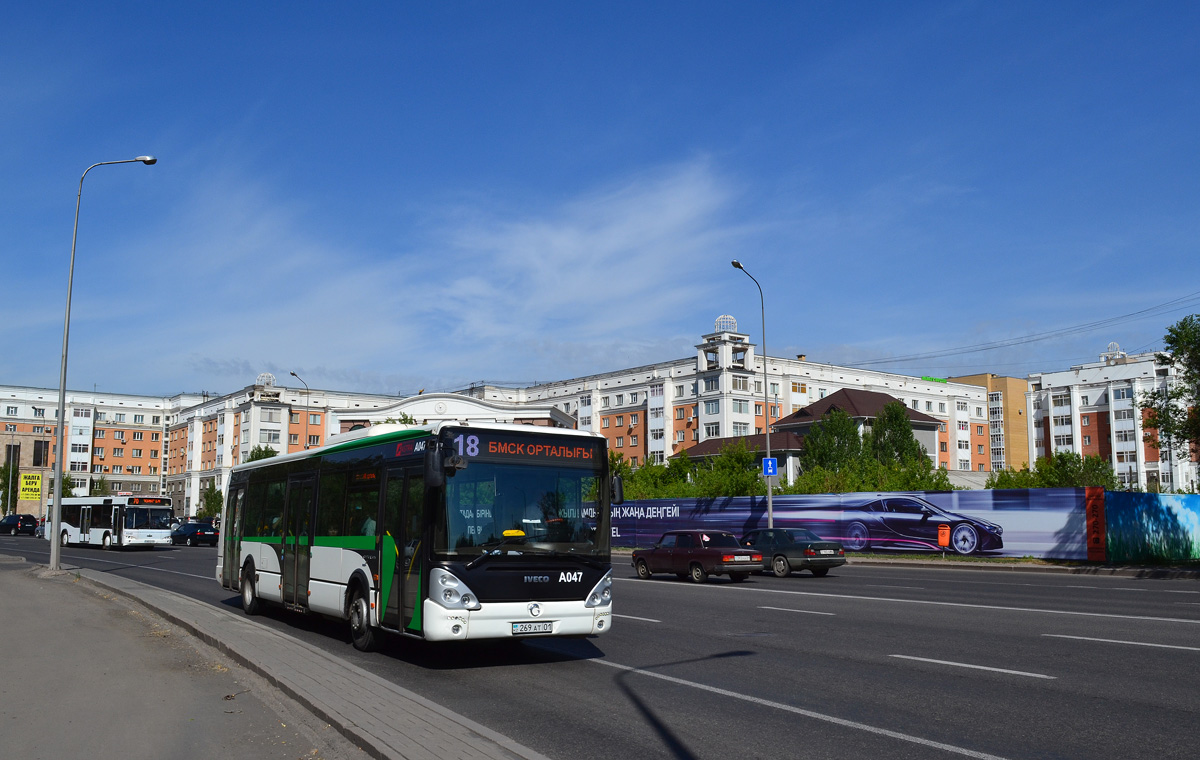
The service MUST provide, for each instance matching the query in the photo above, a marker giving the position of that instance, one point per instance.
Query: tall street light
(12, 447)
(59, 447)
(307, 396)
(766, 399)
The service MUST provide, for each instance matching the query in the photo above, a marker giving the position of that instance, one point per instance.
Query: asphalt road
(868, 662)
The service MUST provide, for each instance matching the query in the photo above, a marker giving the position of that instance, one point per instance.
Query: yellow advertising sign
(31, 486)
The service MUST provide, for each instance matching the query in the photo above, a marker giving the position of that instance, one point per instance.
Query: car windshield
(720, 540)
(519, 509)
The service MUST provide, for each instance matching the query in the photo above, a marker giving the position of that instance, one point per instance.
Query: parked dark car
(900, 522)
(788, 549)
(14, 524)
(697, 554)
(194, 533)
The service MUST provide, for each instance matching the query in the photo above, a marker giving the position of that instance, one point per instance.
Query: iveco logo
(535, 609)
(537, 578)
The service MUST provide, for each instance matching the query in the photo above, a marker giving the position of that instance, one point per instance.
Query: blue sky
(385, 198)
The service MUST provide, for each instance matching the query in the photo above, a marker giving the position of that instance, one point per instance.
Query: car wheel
(781, 567)
(820, 572)
(12, 532)
(361, 633)
(106, 542)
(697, 573)
(191, 541)
(251, 604)
(643, 571)
(858, 537)
(738, 577)
(964, 539)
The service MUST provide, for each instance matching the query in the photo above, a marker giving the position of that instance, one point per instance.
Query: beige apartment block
(1007, 427)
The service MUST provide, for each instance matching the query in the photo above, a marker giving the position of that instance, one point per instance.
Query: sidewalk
(378, 717)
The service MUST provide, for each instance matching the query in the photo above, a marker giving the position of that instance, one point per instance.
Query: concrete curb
(385, 720)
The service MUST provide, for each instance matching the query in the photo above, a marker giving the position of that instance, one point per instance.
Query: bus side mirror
(435, 473)
(618, 490)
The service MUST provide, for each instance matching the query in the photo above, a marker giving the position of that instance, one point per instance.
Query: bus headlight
(601, 593)
(454, 594)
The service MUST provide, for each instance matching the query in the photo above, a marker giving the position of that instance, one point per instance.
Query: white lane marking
(806, 612)
(634, 617)
(1181, 592)
(881, 585)
(806, 713)
(933, 603)
(1107, 588)
(975, 667)
(1118, 641)
(1047, 586)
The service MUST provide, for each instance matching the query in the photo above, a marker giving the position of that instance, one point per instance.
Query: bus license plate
(544, 627)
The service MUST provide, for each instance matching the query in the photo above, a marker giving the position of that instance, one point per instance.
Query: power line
(1161, 308)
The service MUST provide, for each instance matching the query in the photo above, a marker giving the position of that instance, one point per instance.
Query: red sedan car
(697, 554)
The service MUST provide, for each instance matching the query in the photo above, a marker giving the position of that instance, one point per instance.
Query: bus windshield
(521, 509)
(153, 518)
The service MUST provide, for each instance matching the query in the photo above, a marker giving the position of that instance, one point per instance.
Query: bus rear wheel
(106, 542)
(63, 539)
(251, 604)
(361, 634)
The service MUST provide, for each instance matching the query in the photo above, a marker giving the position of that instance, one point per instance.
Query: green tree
(9, 481)
(1175, 413)
(1065, 469)
(892, 438)
(733, 472)
(210, 502)
(100, 487)
(404, 418)
(260, 452)
(832, 444)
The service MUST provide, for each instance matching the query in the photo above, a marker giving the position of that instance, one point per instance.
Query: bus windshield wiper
(494, 547)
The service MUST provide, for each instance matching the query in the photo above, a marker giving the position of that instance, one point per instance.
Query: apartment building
(115, 436)
(1091, 409)
(1008, 433)
(654, 411)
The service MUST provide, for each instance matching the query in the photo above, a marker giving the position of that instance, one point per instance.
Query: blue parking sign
(770, 467)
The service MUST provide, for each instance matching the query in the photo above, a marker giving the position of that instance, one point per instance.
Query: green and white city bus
(449, 531)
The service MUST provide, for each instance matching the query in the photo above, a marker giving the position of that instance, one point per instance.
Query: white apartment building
(1091, 409)
(652, 412)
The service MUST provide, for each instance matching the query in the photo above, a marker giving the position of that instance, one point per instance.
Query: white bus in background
(115, 521)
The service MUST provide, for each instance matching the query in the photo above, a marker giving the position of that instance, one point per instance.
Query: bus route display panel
(496, 446)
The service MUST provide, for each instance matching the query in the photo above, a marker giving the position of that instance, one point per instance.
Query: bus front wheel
(361, 633)
(106, 542)
(63, 539)
(251, 604)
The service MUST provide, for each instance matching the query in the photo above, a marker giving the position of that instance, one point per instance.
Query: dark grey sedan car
(787, 549)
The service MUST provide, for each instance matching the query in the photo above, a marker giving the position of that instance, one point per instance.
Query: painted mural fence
(1052, 523)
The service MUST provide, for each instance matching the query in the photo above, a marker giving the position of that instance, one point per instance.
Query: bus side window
(253, 520)
(362, 503)
(272, 517)
(331, 506)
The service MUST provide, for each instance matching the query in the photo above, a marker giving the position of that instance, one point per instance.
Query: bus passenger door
(85, 524)
(231, 534)
(118, 527)
(297, 540)
(403, 525)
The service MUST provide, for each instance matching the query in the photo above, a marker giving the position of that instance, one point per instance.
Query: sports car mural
(900, 522)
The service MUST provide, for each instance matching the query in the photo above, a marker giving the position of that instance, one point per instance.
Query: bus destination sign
(491, 445)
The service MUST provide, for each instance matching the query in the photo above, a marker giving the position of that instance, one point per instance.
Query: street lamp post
(59, 447)
(12, 445)
(307, 397)
(766, 398)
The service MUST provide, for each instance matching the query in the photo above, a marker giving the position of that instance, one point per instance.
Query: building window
(964, 425)
(981, 468)
(633, 440)
(314, 419)
(293, 439)
(604, 421)
(154, 437)
(118, 452)
(1083, 401)
(741, 428)
(679, 436)
(119, 417)
(656, 391)
(585, 422)
(964, 445)
(11, 411)
(139, 419)
(916, 404)
(961, 406)
(758, 410)
(941, 427)
(656, 414)
(656, 435)
(620, 420)
(271, 415)
(942, 445)
(137, 453)
(119, 435)
(1062, 440)
(979, 411)
(1085, 420)
(1087, 440)
(678, 391)
(633, 397)
(294, 418)
(1126, 435)
(799, 388)
(712, 430)
(964, 464)
(741, 406)
(712, 384)
(1123, 414)
(604, 402)
(97, 468)
(314, 440)
(155, 420)
(620, 399)
(980, 449)
(268, 436)
(39, 411)
(79, 466)
(820, 393)
(1119, 393)
(679, 412)
(929, 406)
(633, 420)
(712, 407)
(979, 430)
(942, 407)
(620, 441)
(742, 383)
